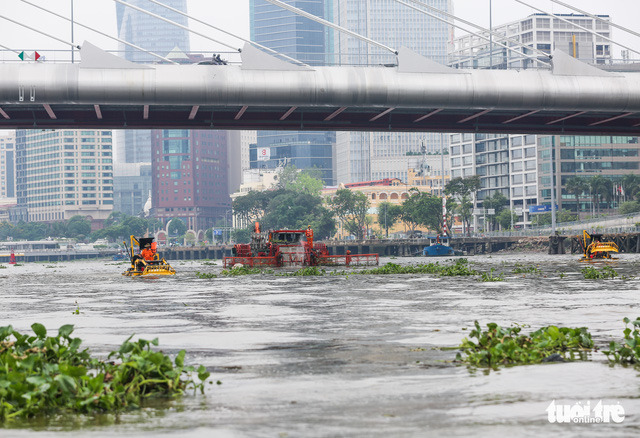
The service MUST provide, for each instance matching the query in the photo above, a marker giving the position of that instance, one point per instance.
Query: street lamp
(226, 229)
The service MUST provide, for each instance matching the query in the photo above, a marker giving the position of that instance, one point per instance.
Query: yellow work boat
(594, 248)
(140, 266)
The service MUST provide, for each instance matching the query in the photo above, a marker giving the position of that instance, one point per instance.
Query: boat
(291, 248)
(439, 247)
(140, 266)
(594, 248)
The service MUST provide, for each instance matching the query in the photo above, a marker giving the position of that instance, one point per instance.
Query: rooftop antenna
(253, 43)
(329, 24)
(489, 31)
(578, 26)
(101, 33)
(176, 24)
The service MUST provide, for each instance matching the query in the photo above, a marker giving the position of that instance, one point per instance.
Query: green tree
(577, 186)
(252, 206)
(306, 183)
(464, 189)
(631, 186)
(545, 218)
(506, 218)
(298, 210)
(422, 209)
(6, 230)
(351, 209)
(497, 203)
(241, 236)
(78, 227)
(629, 207)
(601, 189)
(287, 176)
(388, 215)
(177, 227)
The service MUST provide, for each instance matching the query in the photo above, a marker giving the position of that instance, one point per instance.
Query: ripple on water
(340, 355)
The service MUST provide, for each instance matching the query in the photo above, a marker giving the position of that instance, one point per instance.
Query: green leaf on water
(39, 330)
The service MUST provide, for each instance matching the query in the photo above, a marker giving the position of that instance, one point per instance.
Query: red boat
(279, 248)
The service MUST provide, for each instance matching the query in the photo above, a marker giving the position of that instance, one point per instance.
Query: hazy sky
(233, 16)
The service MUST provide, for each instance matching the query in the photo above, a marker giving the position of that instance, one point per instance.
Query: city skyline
(101, 15)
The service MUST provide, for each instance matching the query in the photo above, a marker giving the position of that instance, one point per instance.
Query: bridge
(416, 94)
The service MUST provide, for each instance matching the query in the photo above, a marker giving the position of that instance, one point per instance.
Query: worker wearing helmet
(309, 233)
(147, 253)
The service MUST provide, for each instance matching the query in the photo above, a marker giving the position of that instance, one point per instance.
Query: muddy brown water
(333, 356)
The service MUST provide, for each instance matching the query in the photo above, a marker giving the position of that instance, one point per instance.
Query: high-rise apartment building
(190, 177)
(365, 156)
(7, 165)
(63, 173)
(309, 42)
(522, 167)
(538, 31)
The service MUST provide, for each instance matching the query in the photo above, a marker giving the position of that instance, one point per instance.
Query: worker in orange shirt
(147, 253)
(309, 233)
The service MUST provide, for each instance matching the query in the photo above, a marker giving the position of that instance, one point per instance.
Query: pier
(559, 244)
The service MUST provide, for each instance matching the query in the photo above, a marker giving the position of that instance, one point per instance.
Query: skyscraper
(309, 42)
(190, 177)
(364, 156)
(154, 35)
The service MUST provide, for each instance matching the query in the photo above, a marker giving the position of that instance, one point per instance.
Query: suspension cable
(329, 24)
(101, 33)
(578, 26)
(175, 24)
(253, 43)
(476, 34)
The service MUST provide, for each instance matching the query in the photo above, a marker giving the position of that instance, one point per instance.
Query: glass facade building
(157, 36)
(311, 43)
(366, 156)
(190, 177)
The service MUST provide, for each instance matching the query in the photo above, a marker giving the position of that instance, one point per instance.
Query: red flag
(37, 55)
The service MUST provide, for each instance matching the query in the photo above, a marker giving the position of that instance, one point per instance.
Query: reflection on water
(338, 355)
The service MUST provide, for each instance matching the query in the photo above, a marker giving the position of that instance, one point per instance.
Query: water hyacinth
(627, 351)
(507, 346)
(42, 375)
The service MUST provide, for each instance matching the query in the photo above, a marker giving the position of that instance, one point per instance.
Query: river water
(332, 356)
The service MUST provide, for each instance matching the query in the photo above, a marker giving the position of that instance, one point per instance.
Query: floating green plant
(244, 270)
(488, 276)
(591, 273)
(507, 346)
(628, 351)
(304, 272)
(47, 375)
(206, 275)
(520, 268)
